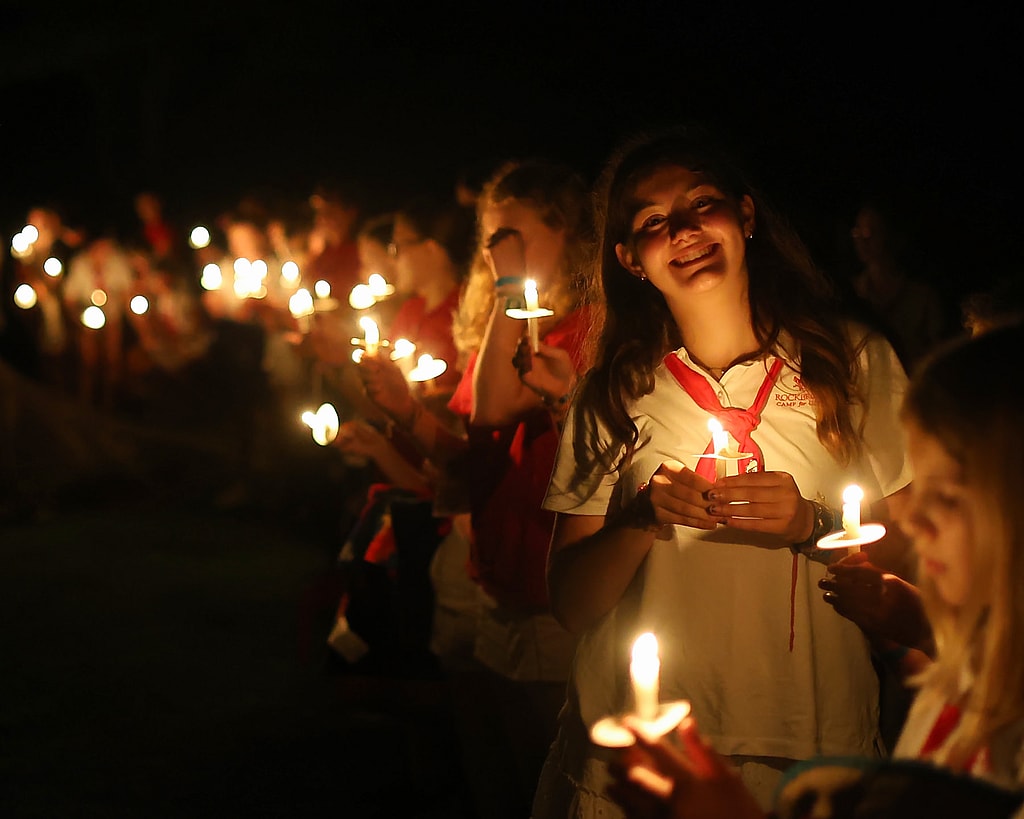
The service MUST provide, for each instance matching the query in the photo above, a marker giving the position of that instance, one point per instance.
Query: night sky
(204, 103)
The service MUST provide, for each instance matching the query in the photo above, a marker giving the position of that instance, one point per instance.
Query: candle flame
(853, 494)
(645, 648)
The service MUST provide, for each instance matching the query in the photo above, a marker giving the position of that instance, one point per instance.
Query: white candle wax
(532, 303)
(530, 292)
(371, 334)
(852, 496)
(719, 437)
(644, 670)
(720, 445)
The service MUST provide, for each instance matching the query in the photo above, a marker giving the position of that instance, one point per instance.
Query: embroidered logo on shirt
(791, 392)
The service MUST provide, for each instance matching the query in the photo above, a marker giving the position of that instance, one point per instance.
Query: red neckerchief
(738, 422)
(945, 722)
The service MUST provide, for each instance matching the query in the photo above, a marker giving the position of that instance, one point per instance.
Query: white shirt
(719, 602)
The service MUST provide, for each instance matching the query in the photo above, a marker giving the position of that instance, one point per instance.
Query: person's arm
(593, 558)
(550, 373)
(361, 438)
(387, 388)
(887, 608)
(499, 396)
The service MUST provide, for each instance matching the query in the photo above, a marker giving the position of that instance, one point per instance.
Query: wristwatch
(824, 523)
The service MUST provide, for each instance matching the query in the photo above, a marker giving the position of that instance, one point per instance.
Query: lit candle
(300, 305)
(720, 445)
(52, 267)
(427, 368)
(530, 292)
(25, 296)
(644, 671)
(379, 286)
(719, 437)
(199, 237)
(93, 317)
(290, 274)
(852, 496)
(323, 423)
(361, 297)
(532, 304)
(402, 353)
(371, 335)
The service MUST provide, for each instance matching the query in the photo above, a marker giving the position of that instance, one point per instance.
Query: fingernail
(711, 494)
(712, 510)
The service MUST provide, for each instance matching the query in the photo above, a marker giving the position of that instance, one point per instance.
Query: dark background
(206, 102)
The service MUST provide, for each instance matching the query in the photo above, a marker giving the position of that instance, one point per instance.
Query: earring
(643, 277)
(750, 235)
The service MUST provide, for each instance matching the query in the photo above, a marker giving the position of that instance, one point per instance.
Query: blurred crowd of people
(438, 350)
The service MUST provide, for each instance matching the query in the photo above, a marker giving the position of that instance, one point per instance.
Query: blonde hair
(962, 396)
(562, 201)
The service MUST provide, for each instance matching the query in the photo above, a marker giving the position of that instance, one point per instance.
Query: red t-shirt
(510, 469)
(431, 332)
(339, 266)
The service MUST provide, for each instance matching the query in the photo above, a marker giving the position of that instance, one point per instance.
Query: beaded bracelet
(506, 281)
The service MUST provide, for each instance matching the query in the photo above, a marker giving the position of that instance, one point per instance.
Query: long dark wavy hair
(635, 330)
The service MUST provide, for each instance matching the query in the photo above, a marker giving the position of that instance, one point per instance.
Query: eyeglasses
(394, 248)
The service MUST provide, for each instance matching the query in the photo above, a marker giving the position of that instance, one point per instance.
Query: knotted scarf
(737, 422)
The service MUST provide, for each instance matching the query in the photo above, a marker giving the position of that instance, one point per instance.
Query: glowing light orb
(138, 305)
(199, 237)
(300, 303)
(361, 297)
(379, 286)
(30, 232)
(98, 297)
(427, 368)
(52, 267)
(402, 348)
(20, 244)
(322, 288)
(93, 317)
(323, 423)
(212, 278)
(290, 272)
(25, 296)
